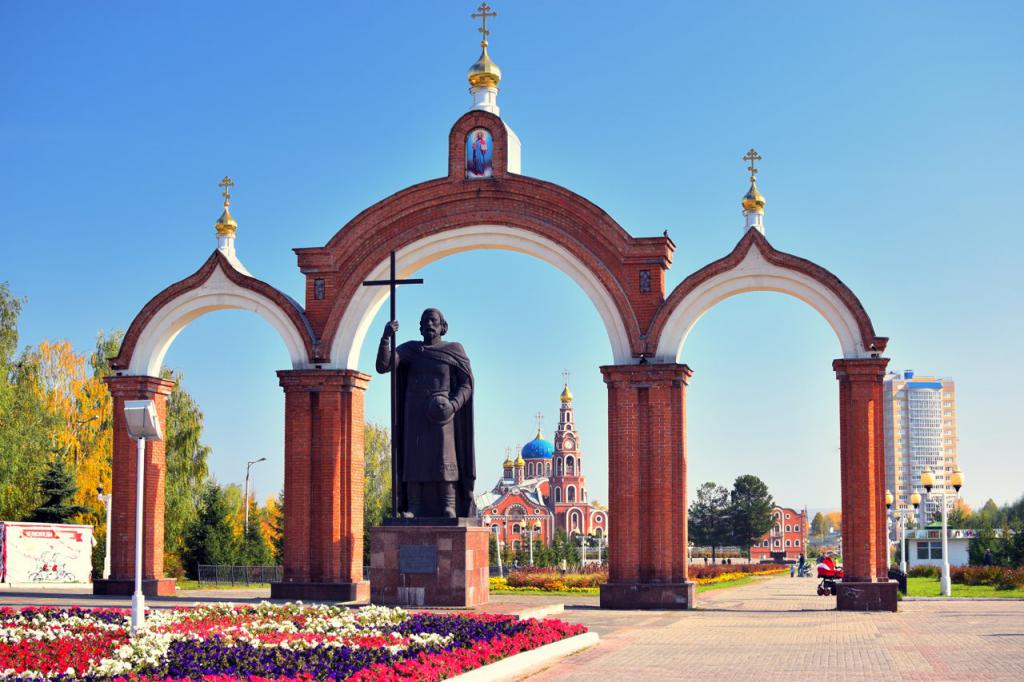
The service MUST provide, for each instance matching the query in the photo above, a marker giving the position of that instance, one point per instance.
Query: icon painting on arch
(479, 153)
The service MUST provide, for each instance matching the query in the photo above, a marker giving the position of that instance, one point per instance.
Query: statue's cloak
(453, 354)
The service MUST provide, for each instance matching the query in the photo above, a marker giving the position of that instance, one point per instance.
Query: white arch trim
(216, 293)
(355, 322)
(754, 273)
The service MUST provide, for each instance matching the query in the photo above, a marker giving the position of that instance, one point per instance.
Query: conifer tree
(58, 490)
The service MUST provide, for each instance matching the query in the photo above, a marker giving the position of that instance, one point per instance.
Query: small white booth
(43, 554)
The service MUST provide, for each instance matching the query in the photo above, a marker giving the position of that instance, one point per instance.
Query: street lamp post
(533, 530)
(915, 499)
(142, 422)
(248, 465)
(928, 481)
(106, 500)
(497, 542)
(900, 516)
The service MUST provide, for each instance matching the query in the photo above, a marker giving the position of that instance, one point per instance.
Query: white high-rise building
(920, 431)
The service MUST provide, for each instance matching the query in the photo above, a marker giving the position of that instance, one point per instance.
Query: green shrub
(924, 571)
(1000, 577)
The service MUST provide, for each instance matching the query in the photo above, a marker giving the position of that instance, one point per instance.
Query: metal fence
(240, 575)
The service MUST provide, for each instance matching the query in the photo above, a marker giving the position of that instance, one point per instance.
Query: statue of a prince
(436, 467)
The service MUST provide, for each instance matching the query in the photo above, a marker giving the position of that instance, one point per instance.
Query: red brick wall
(123, 480)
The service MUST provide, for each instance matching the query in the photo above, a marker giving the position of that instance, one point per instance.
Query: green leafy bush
(1000, 577)
(924, 571)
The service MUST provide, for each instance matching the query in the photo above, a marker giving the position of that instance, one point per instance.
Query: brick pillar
(122, 517)
(865, 584)
(647, 487)
(323, 485)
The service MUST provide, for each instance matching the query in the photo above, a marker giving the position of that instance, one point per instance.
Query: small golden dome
(508, 461)
(520, 462)
(566, 394)
(484, 73)
(752, 200)
(226, 225)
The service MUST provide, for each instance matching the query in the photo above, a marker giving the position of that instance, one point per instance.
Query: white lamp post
(497, 542)
(928, 481)
(533, 530)
(248, 465)
(106, 500)
(143, 423)
(915, 499)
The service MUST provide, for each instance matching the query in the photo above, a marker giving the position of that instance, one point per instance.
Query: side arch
(217, 285)
(366, 301)
(754, 265)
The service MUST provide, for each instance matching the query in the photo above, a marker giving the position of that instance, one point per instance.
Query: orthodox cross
(392, 283)
(482, 12)
(565, 376)
(752, 156)
(540, 418)
(227, 183)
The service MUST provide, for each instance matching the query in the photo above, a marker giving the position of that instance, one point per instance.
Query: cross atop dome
(753, 202)
(484, 75)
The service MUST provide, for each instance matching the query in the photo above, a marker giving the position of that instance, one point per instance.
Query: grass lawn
(929, 587)
(184, 584)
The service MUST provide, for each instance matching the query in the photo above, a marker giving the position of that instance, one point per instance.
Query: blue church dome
(538, 448)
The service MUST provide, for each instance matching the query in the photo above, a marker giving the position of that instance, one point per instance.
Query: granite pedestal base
(151, 587)
(358, 592)
(429, 566)
(879, 596)
(666, 596)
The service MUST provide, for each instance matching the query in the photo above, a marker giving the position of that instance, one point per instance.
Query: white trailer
(42, 554)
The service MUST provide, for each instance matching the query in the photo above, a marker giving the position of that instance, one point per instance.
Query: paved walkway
(779, 629)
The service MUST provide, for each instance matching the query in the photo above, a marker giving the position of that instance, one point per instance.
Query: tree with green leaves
(210, 538)
(819, 526)
(25, 423)
(708, 519)
(187, 470)
(275, 519)
(254, 550)
(750, 510)
(58, 489)
(377, 478)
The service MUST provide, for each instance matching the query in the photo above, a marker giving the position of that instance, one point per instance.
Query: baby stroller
(829, 574)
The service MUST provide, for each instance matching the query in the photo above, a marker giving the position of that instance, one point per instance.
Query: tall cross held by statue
(752, 156)
(392, 283)
(482, 12)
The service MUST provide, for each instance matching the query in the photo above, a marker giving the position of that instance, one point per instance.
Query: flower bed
(264, 642)
(540, 581)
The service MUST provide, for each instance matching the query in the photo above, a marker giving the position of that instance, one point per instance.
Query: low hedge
(924, 571)
(999, 577)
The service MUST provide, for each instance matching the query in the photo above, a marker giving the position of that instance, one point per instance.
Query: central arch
(364, 305)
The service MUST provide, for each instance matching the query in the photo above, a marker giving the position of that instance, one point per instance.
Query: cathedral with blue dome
(542, 488)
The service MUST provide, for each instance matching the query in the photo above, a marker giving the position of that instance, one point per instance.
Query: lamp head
(957, 479)
(888, 499)
(927, 479)
(142, 420)
(915, 499)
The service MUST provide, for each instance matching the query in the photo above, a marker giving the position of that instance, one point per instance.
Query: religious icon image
(479, 150)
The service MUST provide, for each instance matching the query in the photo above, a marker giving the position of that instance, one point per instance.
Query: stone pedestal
(667, 596)
(151, 587)
(419, 565)
(877, 596)
(306, 591)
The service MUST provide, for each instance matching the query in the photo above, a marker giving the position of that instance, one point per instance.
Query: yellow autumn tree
(81, 432)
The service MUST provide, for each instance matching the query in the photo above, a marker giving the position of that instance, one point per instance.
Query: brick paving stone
(780, 629)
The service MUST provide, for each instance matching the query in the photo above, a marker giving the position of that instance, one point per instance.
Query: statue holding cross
(433, 459)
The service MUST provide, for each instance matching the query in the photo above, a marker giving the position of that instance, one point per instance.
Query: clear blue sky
(890, 135)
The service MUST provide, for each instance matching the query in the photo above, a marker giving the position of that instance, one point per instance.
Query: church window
(570, 494)
(788, 528)
(796, 543)
(645, 281)
(765, 543)
(796, 528)
(788, 544)
(515, 527)
(558, 494)
(570, 466)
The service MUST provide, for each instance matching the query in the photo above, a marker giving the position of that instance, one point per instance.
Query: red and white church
(543, 489)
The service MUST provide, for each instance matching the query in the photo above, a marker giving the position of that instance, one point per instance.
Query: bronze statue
(433, 433)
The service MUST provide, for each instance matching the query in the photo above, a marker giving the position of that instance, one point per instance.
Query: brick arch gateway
(624, 276)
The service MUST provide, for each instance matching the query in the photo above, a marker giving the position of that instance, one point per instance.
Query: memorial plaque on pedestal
(415, 565)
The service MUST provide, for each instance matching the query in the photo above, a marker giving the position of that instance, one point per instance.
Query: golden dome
(226, 225)
(484, 73)
(520, 462)
(566, 394)
(752, 200)
(508, 461)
